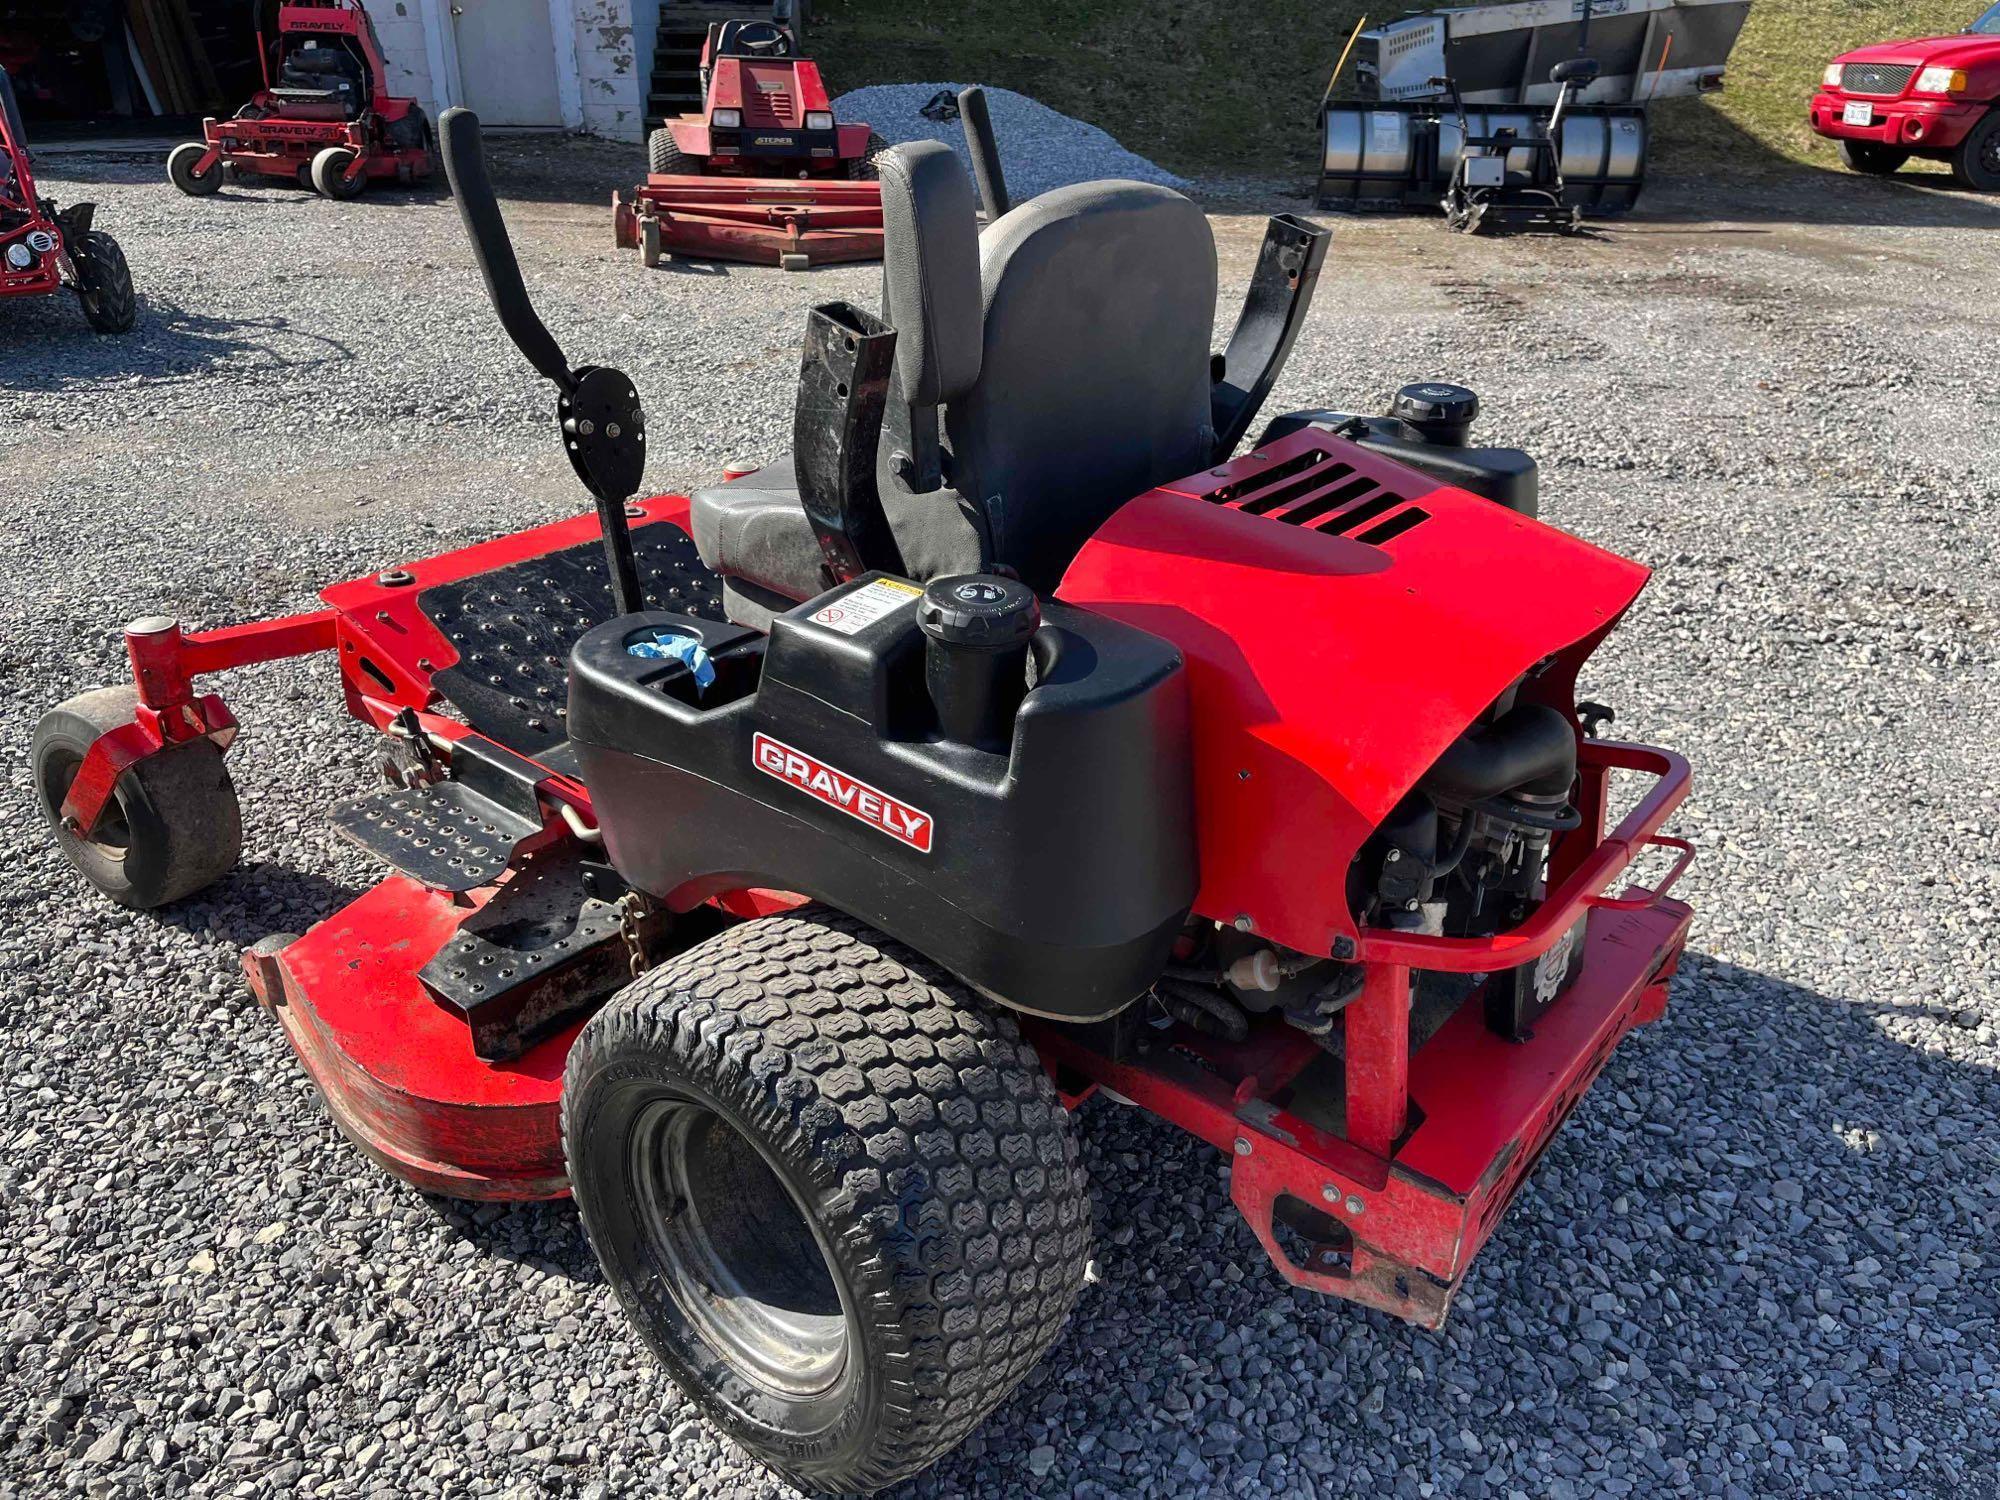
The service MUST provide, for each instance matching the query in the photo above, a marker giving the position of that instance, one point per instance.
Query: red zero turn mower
(763, 173)
(774, 869)
(324, 118)
(43, 250)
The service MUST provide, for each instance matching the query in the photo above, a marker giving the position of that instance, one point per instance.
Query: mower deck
(790, 222)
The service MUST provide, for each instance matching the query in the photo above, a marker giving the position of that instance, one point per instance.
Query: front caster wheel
(329, 174)
(836, 1193)
(182, 174)
(173, 825)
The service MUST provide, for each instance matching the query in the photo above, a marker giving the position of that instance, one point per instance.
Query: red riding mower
(764, 173)
(324, 119)
(43, 250)
(775, 869)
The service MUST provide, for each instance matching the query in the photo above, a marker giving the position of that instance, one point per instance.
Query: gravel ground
(1040, 148)
(1759, 1261)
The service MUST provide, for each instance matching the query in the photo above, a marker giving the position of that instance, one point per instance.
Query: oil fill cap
(1434, 403)
(980, 611)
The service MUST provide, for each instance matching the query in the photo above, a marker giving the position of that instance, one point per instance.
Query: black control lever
(603, 422)
(1281, 290)
(985, 148)
(836, 428)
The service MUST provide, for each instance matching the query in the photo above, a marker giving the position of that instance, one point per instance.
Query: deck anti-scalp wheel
(173, 826)
(329, 174)
(836, 1193)
(104, 283)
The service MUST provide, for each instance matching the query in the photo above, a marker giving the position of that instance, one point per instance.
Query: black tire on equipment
(846, 1101)
(1871, 158)
(867, 167)
(1976, 162)
(329, 174)
(181, 172)
(174, 826)
(665, 159)
(104, 283)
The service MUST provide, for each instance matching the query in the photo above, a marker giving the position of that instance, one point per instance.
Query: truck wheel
(836, 1193)
(181, 172)
(1976, 162)
(1871, 158)
(664, 158)
(104, 283)
(867, 167)
(173, 826)
(329, 174)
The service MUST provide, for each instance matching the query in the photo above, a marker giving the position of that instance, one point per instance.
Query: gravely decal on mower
(857, 799)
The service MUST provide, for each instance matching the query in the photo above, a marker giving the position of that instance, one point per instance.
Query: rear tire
(665, 159)
(867, 167)
(1871, 159)
(181, 173)
(173, 825)
(329, 174)
(836, 1193)
(104, 283)
(1976, 162)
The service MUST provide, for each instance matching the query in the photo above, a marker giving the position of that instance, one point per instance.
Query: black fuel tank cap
(979, 610)
(1434, 403)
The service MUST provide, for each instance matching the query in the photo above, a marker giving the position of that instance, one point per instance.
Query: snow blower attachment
(45, 249)
(325, 118)
(773, 869)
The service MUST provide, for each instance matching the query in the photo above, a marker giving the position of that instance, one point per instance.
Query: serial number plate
(1858, 114)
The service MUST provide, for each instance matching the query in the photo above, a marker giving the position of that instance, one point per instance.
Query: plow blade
(789, 222)
(1402, 155)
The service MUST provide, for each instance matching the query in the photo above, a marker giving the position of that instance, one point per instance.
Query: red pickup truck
(1938, 98)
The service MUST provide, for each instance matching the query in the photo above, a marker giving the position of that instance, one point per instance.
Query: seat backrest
(1095, 379)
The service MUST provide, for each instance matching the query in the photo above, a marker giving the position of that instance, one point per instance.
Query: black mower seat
(317, 75)
(1069, 349)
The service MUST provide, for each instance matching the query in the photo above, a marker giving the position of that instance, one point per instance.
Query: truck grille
(1885, 79)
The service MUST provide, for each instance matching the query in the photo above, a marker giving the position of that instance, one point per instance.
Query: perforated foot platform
(448, 837)
(513, 629)
(538, 954)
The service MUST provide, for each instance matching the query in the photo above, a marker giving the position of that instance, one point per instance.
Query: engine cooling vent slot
(1316, 490)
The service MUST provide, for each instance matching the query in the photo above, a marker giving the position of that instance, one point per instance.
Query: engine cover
(1344, 619)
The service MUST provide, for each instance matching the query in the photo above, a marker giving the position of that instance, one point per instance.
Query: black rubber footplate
(446, 836)
(513, 629)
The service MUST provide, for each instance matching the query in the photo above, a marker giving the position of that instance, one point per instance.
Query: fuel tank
(1343, 619)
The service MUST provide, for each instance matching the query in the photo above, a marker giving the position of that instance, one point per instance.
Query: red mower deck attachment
(44, 249)
(324, 119)
(774, 868)
(764, 173)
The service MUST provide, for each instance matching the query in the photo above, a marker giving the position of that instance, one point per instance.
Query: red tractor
(764, 173)
(324, 119)
(1937, 98)
(44, 249)
(774, 869)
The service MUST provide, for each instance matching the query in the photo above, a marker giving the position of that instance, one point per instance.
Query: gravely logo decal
(857, 799)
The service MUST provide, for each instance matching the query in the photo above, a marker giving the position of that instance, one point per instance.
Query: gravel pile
(1040, 148)
(1760, 1259)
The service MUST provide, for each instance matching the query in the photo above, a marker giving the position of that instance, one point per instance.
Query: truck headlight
(19, 256)
(728, 119)
(1831, 77)
(1941, 81)
(819, 119)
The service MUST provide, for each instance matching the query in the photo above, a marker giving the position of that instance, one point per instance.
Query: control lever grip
(985, 148)
(465, 166)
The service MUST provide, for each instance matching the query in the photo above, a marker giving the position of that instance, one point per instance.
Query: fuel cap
(1432, 406)
(979, 610)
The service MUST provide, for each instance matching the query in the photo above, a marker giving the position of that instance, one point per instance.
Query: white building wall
(399, 27)
(609, 69)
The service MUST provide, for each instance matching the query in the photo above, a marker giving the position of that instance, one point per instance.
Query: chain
(631, 908)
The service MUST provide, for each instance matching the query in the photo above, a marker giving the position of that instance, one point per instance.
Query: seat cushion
(755, 528)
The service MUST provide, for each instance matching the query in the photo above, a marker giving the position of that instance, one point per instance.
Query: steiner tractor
(325, 118)
(764, 173)
(44, 249)
(774, 869)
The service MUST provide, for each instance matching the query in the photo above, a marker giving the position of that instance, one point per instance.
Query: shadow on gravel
(254, 901)
(46, 347)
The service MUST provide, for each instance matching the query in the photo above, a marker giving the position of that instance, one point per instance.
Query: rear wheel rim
(1990, 154)
(739, 1254)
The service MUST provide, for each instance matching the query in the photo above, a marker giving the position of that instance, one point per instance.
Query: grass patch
(1211, 89)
